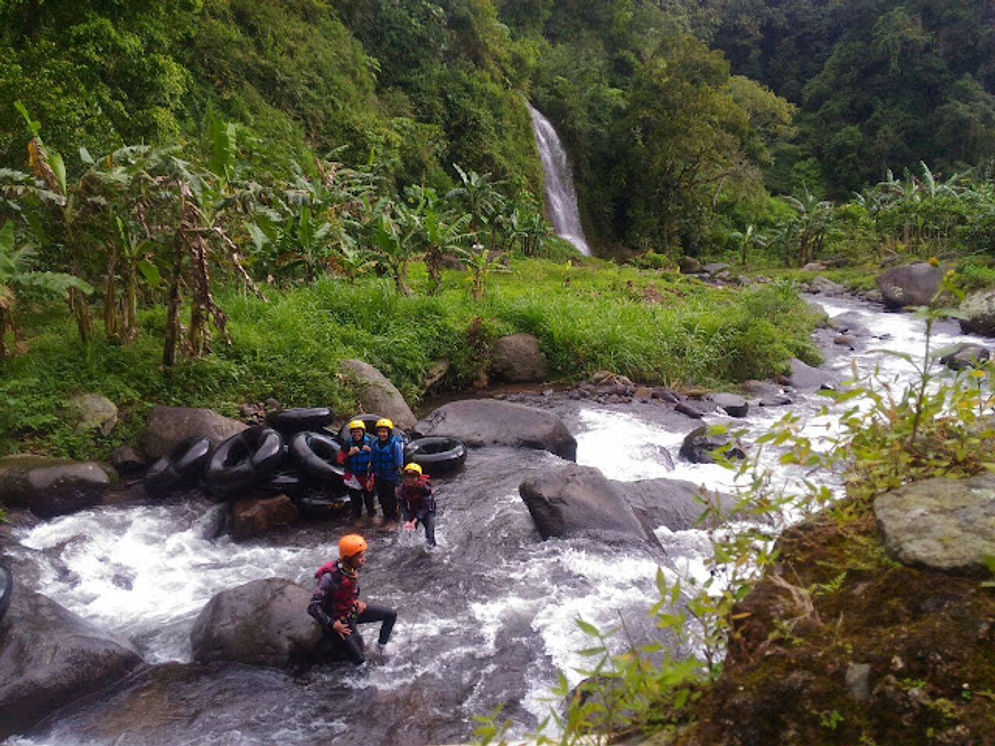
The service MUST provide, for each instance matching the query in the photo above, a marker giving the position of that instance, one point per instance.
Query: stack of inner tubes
(6, 590)
(181, 467)
(316, 456)
(289, 422)
(436, 454)
(243, 461)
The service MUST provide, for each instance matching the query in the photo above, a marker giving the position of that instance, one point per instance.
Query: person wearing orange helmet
(417, 502)
(386, 460)
(335, 602)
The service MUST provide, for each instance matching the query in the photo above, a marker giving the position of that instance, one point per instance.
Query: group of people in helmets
(374, 472)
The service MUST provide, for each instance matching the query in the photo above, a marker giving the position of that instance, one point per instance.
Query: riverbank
(655, 327)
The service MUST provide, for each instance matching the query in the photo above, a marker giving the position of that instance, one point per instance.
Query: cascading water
(559, 185)
(485, 620)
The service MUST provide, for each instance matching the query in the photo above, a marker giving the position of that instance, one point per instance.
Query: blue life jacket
(359, 463)
(388, 458)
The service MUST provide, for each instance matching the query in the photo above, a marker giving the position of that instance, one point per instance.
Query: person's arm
(317, 606)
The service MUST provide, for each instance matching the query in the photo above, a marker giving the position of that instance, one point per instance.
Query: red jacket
(335, 594)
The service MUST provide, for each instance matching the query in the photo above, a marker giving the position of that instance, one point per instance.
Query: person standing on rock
(336, 605)
(357, 459)
(387, 458)
(417, 502)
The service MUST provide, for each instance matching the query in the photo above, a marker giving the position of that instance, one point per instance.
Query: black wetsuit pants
(388, 498)
(351, 646)
(356, 500)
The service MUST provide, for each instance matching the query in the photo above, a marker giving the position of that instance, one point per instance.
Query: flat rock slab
(572, 500)
(168, 426)
(377, 394)
(262, 623)
(50, 657)
(488, 422)
(946, 524)
(50, 486)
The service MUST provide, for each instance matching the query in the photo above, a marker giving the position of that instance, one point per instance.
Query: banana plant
(392, 239)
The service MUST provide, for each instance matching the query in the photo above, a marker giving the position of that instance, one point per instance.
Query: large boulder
(254, 517)
(94, 412)
(485, 422)
(733, 405)
(517, 358)
(910, 284)
(806, 378)
(50, 486)
(168, 426)
(674, 503)
(50, 657)
(965, 355)
(377, 394)
(698, 445)
(572, 500)
(946, 524)
(262, 623)
(978, 308)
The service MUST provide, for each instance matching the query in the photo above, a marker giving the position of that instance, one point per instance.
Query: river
(485, 620)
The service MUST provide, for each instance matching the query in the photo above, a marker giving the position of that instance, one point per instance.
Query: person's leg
(379, 614)
(355, 503)
(333, 646)
(369, 497)
(388, 500)
(429, 524)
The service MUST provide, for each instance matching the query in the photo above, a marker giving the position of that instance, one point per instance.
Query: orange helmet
(351, 544)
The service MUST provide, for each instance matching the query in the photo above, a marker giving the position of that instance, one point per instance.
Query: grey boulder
(517, 358)
(733, 405)
(261, 623)
(254, 517)
(50, 657)
(50, 486)
(94, 412)
(570, 500)
(377, 394)
(699, 444)
(910, 284)
(979, 310)
(168, 426)
(674, 503)
(965, 355)
(486, 422)
(946, 524)
(806, 378)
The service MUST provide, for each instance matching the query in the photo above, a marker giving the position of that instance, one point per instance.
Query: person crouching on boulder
(387, 458)
(336, 605)
(357, 458)
(417, 501)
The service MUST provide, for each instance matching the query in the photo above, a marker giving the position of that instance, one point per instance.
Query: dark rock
(858, 681)
(50, 657)
(50, 486)
(674, 503)
(94, 412)
(481, 422)
(689, 410)
(699, 443)
(665, 395)
(517, 358)
(689, 265)
(946, 524)
(377, 394)
(979, 308)
(776, 400)
(734, 406)
(572, 500)
(761, 388)
(253, 517)
(127, 460)
(169, 426)
(910, 284)
(965, 355)
(261, 623)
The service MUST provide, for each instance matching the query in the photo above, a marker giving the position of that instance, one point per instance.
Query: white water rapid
(560, 195)
(485, 620)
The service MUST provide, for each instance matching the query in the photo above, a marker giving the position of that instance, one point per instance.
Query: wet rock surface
(257, 516)
(51, 486)
(50, 657)
(169, 426)
(699, 444)
(674, 503)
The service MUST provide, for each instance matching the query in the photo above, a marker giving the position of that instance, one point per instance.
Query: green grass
(654, 327)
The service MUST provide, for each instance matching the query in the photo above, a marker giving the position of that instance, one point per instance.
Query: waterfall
(560, 194)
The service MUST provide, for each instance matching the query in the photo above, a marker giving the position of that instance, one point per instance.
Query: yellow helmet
(413, 467)
(357, 425)
(384, 422)
(351, 544)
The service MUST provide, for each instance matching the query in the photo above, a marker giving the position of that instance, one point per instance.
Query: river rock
(689, 410)
(979, 308)
(168, 426)
(253, 517)
(825, 286)
(50, 657)
(127, 460)
(50, 486)
(947, 524)
(94, 412)
(965, 355)
(699, 443)
(806, 378)
(572, 500)
(910, 284)
(674, 503)
(517, 358)
(261, 623)
(689, 265)
(734, 406)
(377, 394)
(484, 422)
(850, 323)
(715, 268)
